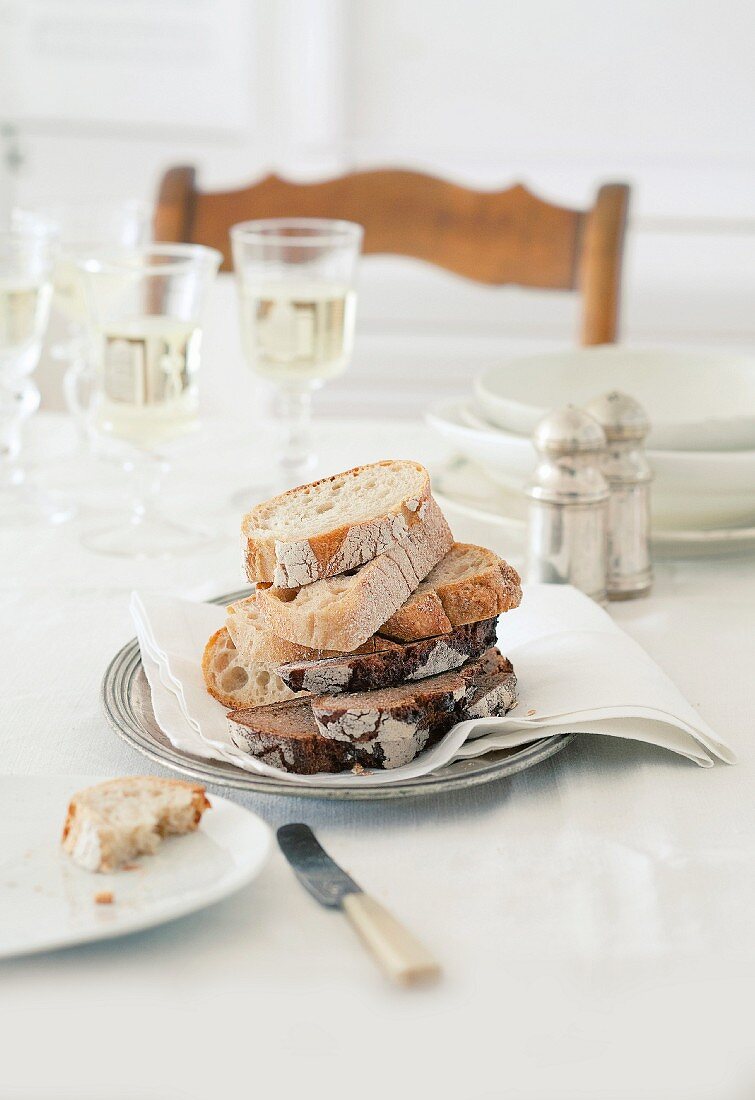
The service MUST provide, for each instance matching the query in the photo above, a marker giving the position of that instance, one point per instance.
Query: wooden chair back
(495, 237)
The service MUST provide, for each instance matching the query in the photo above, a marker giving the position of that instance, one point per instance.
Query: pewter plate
(128, 707)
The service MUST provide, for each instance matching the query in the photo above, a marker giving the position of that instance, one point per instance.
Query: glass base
(143, 537)
(23, 503)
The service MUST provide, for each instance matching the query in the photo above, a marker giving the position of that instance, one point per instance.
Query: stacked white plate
(701, 444)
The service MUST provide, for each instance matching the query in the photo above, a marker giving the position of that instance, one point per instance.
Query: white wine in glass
(298, 332)
(148, 392)
(297, 305)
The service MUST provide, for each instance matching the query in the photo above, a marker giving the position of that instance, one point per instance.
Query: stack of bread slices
(369, 633)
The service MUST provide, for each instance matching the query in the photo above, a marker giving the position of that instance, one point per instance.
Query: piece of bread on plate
(342, 612)
(334, 525)
(469, 584)
(113, 822)
(393, 663)
(235, 681)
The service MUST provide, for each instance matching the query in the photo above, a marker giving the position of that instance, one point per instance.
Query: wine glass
(26, 261)
(144, 307)
(297, 301)
(80, 227)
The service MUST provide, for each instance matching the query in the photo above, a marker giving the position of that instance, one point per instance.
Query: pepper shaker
(628, 474)
(568, 511)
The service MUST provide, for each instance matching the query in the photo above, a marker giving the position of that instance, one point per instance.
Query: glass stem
(293, 411)
(18, 401)
(146, 471)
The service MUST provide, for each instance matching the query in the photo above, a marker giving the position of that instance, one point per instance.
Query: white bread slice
(111, 823)
(341, 613)
(257, 646)
(468, 585)
(333, 525)
(235, 681)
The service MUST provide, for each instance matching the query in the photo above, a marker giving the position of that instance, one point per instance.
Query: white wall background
(559, 93)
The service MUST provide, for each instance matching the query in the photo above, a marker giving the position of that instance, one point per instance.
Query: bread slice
(469, 584)
(286, 736)
(395, 714)
(334, 525)
(394, 664)
(402, 721)
(236, 682)
(116, 821)
(342, 612)
(257, 646)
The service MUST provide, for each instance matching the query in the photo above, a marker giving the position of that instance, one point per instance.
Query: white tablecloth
(594, 915)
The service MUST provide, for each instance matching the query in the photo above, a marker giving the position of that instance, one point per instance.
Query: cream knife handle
(403, 958)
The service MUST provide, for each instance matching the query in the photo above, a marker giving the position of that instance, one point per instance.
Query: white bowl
(695, 401)
(704, 489)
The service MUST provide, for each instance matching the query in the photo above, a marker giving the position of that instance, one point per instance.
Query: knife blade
(402, 957)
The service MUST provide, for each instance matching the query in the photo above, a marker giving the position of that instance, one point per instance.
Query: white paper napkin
(577, 671)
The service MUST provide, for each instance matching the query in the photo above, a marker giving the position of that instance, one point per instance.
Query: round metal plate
(128, 707)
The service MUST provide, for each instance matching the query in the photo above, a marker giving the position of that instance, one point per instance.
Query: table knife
(402, 957)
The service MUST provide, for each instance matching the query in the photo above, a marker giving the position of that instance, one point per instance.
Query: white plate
(47, 901)
(695, 401)
(691, 488)
(480, 511)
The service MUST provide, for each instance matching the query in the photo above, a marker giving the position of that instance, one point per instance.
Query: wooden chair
(496, 237)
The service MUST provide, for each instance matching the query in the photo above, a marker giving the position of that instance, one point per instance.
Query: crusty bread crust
(292, 563)
(436, 608)
(341, 613)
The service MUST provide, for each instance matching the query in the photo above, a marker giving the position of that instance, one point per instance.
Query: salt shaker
(628, 474)
(568, 512)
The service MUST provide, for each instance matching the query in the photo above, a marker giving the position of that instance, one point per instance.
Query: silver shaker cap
(621, 417)
(568, 431)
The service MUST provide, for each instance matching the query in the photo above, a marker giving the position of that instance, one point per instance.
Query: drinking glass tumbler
(297, 302)
(144, 308)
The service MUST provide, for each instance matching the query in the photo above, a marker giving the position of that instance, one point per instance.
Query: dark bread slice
(286, 736)
(391, 666)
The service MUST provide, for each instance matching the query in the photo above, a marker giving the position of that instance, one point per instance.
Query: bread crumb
(104, 897)
(358, 770)
(131, 867)
(529, 713)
